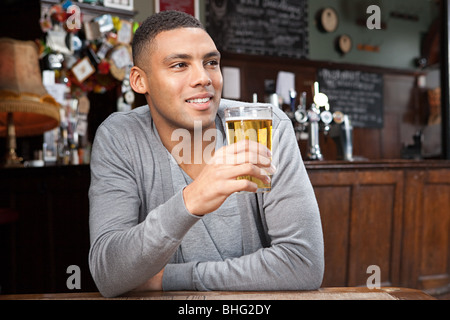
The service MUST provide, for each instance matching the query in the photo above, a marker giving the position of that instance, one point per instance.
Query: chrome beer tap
(309, 123)
(314, 152)
(342, 134)
(313, 120)
(315, 115)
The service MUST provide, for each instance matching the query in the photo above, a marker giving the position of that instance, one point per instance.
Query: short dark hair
(156, 23)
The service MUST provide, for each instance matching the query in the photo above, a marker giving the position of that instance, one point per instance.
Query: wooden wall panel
(372, 232)
(361, 212)
(434, 238)
(435, 230)
(426, 255)
(52, 231)
(335, 226)
(32, 233)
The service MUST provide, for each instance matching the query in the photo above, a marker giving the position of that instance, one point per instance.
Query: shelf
(91, 11)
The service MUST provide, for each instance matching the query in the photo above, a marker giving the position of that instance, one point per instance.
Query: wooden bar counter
(392, 215)
(359, 293)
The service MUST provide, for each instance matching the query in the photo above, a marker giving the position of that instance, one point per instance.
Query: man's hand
(218, 180)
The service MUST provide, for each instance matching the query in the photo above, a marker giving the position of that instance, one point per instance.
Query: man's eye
(179, 65)
(213, 63)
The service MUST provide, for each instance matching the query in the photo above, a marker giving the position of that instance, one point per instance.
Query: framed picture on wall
(188, 6)
(119, 4)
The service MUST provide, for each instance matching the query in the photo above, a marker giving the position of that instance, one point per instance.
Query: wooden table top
(337, 293)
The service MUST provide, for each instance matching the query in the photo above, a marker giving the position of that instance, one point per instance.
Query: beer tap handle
(313, 113)
(293, 96)
(316, 88)
(301, 116)
(303, 101)
(320, 99)
(326, 117)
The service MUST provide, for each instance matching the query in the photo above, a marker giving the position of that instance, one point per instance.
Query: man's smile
(198, 100)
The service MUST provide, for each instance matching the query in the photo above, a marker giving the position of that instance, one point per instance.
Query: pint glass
(252, 122)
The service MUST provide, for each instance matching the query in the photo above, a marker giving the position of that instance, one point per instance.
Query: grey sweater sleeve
(293, 261)
(125, 253)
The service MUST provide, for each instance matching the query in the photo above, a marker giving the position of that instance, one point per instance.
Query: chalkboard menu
(262, 27)
(355, 93)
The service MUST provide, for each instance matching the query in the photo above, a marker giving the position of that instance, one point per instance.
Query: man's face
(184, 80)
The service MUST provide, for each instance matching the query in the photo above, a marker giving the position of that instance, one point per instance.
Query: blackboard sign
(355, 93)
(262, 27)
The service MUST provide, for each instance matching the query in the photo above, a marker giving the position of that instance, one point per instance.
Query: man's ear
(138, 80)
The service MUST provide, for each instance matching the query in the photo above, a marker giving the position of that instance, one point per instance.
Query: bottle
(63, 148)
(74, 159)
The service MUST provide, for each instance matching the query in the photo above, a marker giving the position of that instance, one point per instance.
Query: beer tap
(309, 123)
(300, 114)
(314, 117)
(314, 152)
(290, 112)
(342, 134)
(293, 96)
(327, 117)
(311, 120)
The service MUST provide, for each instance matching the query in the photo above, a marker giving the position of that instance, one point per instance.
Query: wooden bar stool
(7, 219)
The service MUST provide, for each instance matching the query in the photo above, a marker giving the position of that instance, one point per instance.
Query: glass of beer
(252, 122)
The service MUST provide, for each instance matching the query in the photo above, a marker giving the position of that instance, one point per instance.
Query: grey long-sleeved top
(138, 220)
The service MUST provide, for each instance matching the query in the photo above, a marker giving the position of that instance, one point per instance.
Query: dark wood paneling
(428, 221)
(372, 232)
(52, 231)
(335, 226)
(359, 213)
(395, 215)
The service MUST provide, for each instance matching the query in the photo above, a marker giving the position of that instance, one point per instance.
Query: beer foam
(248, 119)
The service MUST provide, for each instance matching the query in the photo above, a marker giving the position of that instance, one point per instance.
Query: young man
(161, 224)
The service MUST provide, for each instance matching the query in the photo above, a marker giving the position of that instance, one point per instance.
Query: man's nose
(200, 76)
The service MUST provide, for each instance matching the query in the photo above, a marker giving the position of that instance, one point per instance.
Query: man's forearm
(120, 261)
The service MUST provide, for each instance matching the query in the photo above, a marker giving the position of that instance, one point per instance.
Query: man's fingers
(248, 146)
(248, 169)
(251, 157)
(242, 158)
(244, 151)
